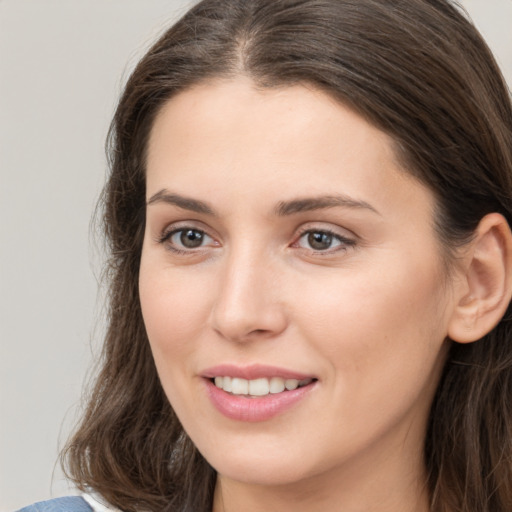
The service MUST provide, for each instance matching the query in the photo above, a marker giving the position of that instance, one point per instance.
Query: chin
(269, 474)
(261, 465)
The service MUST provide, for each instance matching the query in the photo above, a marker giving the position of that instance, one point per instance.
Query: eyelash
(167, 236)
(344, 243)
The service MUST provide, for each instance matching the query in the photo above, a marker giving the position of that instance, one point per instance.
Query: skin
(367, 316)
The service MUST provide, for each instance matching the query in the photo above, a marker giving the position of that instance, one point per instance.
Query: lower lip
(241, 408)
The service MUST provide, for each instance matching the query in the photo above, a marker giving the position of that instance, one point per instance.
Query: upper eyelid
(168, 233)
(341, 238)
(185, 224)
(332, 229)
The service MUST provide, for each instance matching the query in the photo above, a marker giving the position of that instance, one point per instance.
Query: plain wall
(62, 65)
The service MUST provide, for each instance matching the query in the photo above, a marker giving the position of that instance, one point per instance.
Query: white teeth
(227, 384)
(276, 385)
(291, 384)
(258, 387)
(239, 386)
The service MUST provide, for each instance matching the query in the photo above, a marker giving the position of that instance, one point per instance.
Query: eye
(184, 239)
(323, 241)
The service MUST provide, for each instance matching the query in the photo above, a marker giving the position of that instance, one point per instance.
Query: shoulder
(66, 504)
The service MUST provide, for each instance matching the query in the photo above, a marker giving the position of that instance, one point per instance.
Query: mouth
(256, 392)
(260, 387)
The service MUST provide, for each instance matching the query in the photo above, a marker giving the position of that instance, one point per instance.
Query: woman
(311, 272)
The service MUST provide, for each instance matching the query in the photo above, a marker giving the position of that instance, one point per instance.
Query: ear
(487, 281)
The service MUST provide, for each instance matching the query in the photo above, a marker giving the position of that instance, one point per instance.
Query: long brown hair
(416, 69)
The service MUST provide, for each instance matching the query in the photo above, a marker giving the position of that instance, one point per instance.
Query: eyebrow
(186, 203)
(282, 209)
(307, 204)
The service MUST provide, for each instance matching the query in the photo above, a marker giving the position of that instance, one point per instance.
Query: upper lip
(253, 371)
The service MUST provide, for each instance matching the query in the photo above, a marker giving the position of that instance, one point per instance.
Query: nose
(249, 302)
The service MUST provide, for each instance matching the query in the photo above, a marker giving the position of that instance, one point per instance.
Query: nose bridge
(247, 304)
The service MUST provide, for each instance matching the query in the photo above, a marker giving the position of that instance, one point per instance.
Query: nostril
(246, 317)
(258, 331)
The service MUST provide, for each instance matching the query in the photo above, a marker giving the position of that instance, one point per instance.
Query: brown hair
(418, 70)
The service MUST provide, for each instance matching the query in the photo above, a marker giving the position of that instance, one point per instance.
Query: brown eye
(319, 241)
(324, 241)
(187, 239)
(191, 238)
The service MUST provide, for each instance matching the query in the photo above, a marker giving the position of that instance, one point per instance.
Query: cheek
(383, 332)
(392, 299)
(382, 344)
(175, 309)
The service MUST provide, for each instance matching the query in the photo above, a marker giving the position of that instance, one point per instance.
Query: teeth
(258, 387)
(239, 386)
(227, 384)
(291, 384)
(276, 385)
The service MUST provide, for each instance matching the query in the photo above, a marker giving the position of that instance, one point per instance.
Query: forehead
(231, 137)
(213, 109)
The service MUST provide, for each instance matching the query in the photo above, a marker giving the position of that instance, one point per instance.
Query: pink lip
(242, 408)
(255, 371)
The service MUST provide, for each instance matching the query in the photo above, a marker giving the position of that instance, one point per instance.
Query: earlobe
(487, 279)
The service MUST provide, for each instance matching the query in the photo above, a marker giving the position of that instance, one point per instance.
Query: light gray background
(62, 65)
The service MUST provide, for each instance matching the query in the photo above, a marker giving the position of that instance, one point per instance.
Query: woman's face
(285, 247)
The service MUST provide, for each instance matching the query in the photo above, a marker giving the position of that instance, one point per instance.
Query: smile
(258, 387)
(257, 392)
